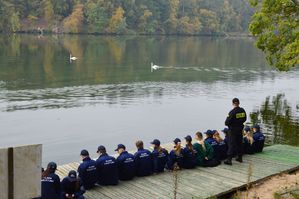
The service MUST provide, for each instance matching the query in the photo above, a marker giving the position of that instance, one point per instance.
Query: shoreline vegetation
(115, 17)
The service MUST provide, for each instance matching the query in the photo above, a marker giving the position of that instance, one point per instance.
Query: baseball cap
(101, 148)
(188, 138)
(84, 152)
(120, 146)
(247, 128)
(156, 142)
(52, 166)
(176, 140)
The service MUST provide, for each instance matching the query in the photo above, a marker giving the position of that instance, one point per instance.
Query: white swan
(154, 67)
(72, 58)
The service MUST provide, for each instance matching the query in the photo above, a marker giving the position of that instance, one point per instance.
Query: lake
(110, 95)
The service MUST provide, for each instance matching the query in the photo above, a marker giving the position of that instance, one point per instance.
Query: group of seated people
(108, 170)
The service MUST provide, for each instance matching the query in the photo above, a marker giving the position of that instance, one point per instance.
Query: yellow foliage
(116, 20)
(73, 23)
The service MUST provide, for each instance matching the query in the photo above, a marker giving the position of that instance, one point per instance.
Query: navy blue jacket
(259, 141)
(69, 186)
(174, 158)
(107, 170)
(88, 173)
(220, 151)
(143, 162)
(126, 166)
(247, 147)
(189, 156)
(160, 160)
(51, 187)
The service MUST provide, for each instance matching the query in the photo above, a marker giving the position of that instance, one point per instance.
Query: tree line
(186, 17)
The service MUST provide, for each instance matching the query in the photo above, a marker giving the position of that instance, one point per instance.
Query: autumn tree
(117, 23)
(74, 22)
(276, 26)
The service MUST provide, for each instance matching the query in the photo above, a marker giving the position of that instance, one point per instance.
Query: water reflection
(281, 122)
(30, 62)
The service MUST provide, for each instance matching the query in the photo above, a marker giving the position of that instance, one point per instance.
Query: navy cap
(209, 132)
(101, 148)
(225, 130)
(247, 128)
(52, 166)
(120, 146)
(72, 176)
(256, 126)
(188, 138)
(176, 140)
(84, 152)
(214, 131)
(156, 142)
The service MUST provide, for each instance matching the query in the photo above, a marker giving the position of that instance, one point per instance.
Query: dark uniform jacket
(236, 118)
(220, 150)
(189, 161)
(160, 160)
(259, 141)
(126, 166)
(248, 148)
(51, 187)
(107, 170)
(143, 162)
(88, 173)
(70, 186)
(173, 159)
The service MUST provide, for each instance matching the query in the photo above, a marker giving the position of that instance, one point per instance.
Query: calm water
(109, 95)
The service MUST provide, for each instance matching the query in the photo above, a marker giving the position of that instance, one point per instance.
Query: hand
(206, 158)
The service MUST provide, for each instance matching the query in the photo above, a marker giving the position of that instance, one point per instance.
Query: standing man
(234, 121)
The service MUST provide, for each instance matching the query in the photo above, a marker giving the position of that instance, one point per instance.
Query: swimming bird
(154, 67)
(72, 58)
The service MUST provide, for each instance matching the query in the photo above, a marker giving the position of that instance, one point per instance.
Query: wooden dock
(201, 182)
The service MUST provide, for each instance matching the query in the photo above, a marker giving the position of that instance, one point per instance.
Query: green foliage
(276, 26)
(129, 16)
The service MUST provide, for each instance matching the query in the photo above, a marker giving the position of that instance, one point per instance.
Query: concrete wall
(20, 172)
(27, 171)
(3, 174)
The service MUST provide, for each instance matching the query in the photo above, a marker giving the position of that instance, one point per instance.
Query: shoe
(239, 159)
(227, 162)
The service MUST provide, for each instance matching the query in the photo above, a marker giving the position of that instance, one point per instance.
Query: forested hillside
(125, 16)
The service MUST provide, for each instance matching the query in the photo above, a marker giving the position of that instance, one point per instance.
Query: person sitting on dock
(160, 156)
(189, 154)
(106, 168)
(204, 152)
(87, 170)
(72, 187)
(143, 160)
(259, 139)
(248, 147)
(210, 139)
(175, 158)
(225, 132)
(50, 183)
(221, 149)
(126, 163)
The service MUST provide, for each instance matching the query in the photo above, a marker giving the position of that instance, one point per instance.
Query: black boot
(239, 159)
(228, 161)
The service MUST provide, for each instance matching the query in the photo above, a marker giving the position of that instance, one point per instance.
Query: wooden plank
(200, 182)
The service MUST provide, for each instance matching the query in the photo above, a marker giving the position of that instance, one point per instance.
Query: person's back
(71, 187)
(107, 168)
(189, 156)
(87, 171)
(204, 152)
(259, 139)
(143, 160)
(50, 183)
(160, 157)
(175, 158)
(126, 164)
